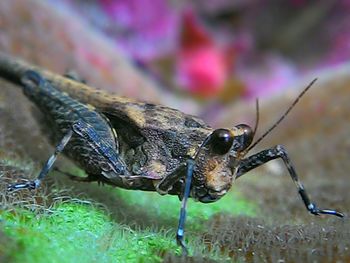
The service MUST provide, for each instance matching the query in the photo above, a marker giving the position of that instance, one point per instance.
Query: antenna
(256, 116)
(283, 116)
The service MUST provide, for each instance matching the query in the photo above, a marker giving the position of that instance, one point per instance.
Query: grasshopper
(143, 146)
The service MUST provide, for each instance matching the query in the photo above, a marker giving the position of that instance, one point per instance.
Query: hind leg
(276, 152)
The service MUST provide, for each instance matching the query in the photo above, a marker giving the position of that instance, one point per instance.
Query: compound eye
(221, 141)
(243, 137)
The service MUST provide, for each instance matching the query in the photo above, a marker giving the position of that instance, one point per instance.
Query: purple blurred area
(238, 49)
(199, 56)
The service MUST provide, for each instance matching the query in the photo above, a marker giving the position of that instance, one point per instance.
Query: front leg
(279, 152)
(166, 184)
(184, 171)
(182, 219)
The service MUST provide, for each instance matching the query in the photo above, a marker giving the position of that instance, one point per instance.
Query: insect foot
(31, 185)
(313, 209)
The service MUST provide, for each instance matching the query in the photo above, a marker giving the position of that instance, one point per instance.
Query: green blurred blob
(169, 206)
(74, 232)
(80, 233)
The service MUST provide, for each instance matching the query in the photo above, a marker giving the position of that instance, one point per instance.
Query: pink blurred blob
(201, 70)
(202, 66)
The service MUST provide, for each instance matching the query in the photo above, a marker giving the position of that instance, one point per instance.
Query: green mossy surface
(80, 231)
(168, 207)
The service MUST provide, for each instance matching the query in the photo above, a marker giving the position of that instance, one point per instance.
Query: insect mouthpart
(212, 196)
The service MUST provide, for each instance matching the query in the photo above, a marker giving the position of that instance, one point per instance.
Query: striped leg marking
(279, 152)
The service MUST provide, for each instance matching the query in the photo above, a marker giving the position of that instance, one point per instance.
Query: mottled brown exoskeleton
(142, 146)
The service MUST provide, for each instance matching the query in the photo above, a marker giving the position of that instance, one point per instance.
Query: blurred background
(193, 52)
(211, 59)
(223, 50)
